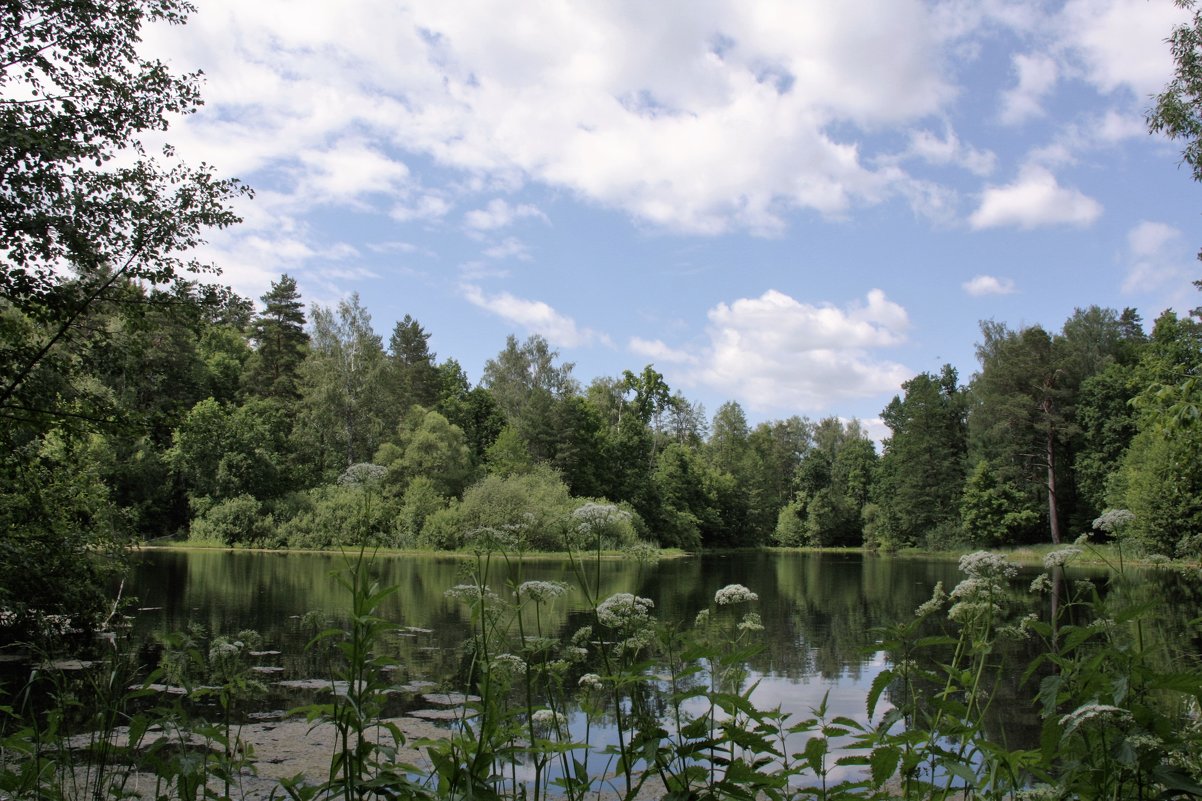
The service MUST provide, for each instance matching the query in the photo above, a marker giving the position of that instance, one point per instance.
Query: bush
(532, 507)
(339, 514)
(238, 520)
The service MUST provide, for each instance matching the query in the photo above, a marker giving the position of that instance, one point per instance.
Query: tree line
(140, 400)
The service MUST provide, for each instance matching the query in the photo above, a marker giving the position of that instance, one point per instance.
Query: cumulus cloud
(534, 316)
(1034, 200)
(988, 285)
(1120, 43)
(700, 122)
(776, 353)
(1157, 258)
(1037, 74)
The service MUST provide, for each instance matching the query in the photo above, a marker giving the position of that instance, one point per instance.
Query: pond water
(820, 611)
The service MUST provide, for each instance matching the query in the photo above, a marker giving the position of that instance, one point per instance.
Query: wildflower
(1113, 519)
(703, 617)
(938, 596)
(582, 636)
(983, 564)
(1041, 583)
(541, 590)
(544, 717)
(1060, 557)
(1106, 714)
(623, 609)
(734, 594)
(751, 622)
(362, 474)
(576, 653)
(470, 593)
(223, 648)
(509, 663)
(590, 681)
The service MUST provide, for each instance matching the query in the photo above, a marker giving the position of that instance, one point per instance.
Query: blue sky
(795, 205)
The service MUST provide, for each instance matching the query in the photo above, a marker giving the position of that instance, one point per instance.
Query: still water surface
(820, 611)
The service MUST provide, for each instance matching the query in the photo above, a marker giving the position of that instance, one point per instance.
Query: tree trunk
(1053, 511)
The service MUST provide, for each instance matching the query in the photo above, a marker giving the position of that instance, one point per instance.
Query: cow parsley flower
(734, 594)
(590, 681)
(542, 590)
(623, 609)
(1060, 557)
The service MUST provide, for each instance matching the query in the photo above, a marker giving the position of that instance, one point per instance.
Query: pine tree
(280, 341)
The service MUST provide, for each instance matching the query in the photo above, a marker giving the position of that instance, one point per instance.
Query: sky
(792, 204)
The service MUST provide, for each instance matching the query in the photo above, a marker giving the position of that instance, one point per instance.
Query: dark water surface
(820, 611)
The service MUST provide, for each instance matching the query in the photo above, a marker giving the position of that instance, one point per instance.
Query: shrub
(237, 520)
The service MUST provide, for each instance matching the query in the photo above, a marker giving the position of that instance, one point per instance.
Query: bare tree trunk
(1053, 510)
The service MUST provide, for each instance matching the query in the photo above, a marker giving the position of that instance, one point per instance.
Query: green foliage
(344, 514)
(993, 510)
(922, 471)
(420, 501)
(222, 452)
(61, 539)
(236, 521)
(427, 445)
(344, 407)
(280, 342)
(531, 507)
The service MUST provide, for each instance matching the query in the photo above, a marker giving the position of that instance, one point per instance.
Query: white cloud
(950, 150)
(499, 214)
(1034, 200)
(776, 353)
(1120, 43)
(695, 121)
(509, 248)
(533, 315)
(658, 351)
(1157, 258)
(1037, 74)
(988, 285)
(425, 208)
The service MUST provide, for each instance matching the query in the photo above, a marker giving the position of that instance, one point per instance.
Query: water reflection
(820, 613)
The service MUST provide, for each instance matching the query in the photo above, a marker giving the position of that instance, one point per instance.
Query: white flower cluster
(751, 623)
(7, 617)
(623, 610)
(983, 564)
(1105, 714)
(594, 514)
(542, 590)
(224, 648)
(1113, 519)
(590, 681)
(470, 593)
(545, 718)
(976, 597)
(362, 474)
(734, 594)
(1060, 557)
(509, 663)
(938, 596)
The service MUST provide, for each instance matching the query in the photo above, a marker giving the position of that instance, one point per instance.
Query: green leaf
(879, 683)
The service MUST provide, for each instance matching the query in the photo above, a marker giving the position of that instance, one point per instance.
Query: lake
(819, 611)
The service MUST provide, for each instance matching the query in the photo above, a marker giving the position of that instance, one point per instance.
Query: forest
(189, 414)
(141, 400)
